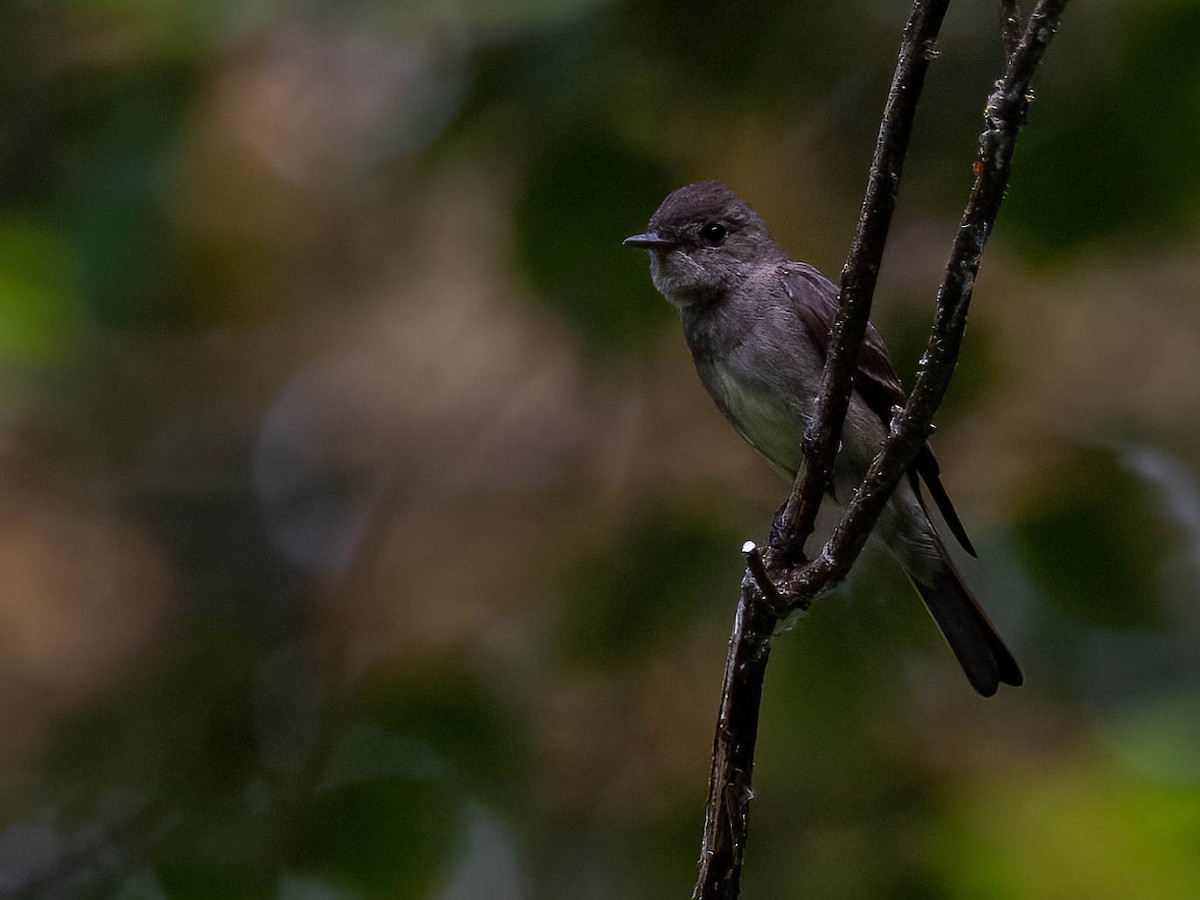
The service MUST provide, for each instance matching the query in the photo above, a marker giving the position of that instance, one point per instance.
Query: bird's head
(703, 241)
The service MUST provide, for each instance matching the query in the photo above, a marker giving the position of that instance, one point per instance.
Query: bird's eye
(714, 233)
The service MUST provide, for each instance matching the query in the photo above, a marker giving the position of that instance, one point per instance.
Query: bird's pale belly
(771, 423)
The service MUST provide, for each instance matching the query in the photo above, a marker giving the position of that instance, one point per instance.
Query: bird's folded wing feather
(815, 300)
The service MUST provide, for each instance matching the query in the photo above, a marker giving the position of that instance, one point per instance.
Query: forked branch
(782, 580)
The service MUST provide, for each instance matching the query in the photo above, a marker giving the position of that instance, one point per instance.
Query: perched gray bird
(758, 326)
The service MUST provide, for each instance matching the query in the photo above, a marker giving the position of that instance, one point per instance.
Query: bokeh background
(365, 532)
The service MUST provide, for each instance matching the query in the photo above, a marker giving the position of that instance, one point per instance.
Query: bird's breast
(763, 411)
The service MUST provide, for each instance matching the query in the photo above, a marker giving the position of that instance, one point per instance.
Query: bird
(758, 325)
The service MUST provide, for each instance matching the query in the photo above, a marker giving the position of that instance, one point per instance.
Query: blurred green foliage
(1116, 165)
(386, 238)
(1070, 541)
(39, 299)
(569, 238)
(619, 603)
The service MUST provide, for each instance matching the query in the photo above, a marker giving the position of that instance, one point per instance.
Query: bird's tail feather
(967, 629)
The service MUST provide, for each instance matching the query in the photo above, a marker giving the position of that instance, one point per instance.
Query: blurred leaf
(203, 882)
(221, 849)
(293, 886)
(1094, 540)
(451, 717)
(365, 753)
(115, 191)
(1119, 155)
(664, 852)
(514, 13)
(620, 600)
(385, 838)
(1073, 830)
(174, 28)
(488, 865)
(40, 310)
(579, 200)
(186, 730)
(1161, 738)
(837, 668)
(141, 885)
(769, 55)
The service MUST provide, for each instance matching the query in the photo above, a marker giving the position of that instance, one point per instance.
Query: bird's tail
(967, 629)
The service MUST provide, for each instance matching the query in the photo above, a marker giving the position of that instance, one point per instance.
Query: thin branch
(1010, 25)
(727, 813)
(1003, 117)
(859, 275)
(726, 817)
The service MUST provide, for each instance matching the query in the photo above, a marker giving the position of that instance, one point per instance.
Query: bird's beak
(648, 241)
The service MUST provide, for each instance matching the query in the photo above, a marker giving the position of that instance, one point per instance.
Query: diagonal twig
(1003, 118)
(1010, 25)
(859, 275)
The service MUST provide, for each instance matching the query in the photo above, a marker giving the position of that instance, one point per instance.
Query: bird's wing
(815, 300)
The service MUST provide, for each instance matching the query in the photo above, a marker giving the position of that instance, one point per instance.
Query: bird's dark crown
(693, 205)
